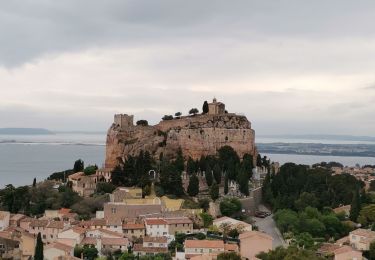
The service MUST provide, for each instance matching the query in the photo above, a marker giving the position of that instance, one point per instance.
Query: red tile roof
(155, 239)
(155, 221)
(204, 244)
(141, 248)
(38, 223)
(182, 220)
(115, 241)
(133, 226)
(56, 224)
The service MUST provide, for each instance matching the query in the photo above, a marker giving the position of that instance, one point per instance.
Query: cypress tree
(38, 254)
(34, 182)
(226, 184)
(217, 173)
(179, 162)
(190, 166)
(205, 107)
(214, 191)
(355, 206)
(79, 165)
(259, 160)
(208, 175)
(243, 182)
(193, 188)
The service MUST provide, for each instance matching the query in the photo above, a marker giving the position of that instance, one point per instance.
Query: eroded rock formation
(196, 135)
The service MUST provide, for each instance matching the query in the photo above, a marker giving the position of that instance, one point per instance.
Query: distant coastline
(25, 131)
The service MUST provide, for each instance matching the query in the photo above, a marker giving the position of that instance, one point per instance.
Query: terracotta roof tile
(88, 241)
(155, 221)
(155, 239)
(115, 241)
(141, 248)
(254, 233)
(38, 223)
(133, 226)
(204, 244)
(56, 224)
(182, 220)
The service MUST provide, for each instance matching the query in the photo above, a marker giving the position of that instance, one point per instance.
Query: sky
(292, 67)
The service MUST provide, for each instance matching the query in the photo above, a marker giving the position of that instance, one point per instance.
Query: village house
(93, 223)
(55, 250)
(361, 239)
(63, 214)
(9, 245)
(156, 227)
(49, 229)
(254, 242)
(15, 220)
(101, 232)
(339, 252)
(84, 185)
(25, 223)
(4, 220)
(232, 223)
(71, 236)
(27, 245)
(200, 247)
(179, 225)
(136, 230)
(345, 209)
(151, 246)
(107, 243)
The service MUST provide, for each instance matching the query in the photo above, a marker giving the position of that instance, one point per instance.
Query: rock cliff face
(196, 135)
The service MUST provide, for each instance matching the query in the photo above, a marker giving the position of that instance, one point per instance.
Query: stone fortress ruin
(196, 135)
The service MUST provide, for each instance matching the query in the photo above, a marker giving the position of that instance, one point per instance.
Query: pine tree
(38, 255)
(226, 184)
(193, 188)
(34, 182)
(208, 175)
(214, 191)
(355, 206)
(217, 173)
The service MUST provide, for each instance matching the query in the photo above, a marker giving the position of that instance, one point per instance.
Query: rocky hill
(197, 135)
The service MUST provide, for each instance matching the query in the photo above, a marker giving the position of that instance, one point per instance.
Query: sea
(25, 157)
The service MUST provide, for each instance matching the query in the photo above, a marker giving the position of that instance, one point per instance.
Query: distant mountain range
(25, 131)
(322, 137)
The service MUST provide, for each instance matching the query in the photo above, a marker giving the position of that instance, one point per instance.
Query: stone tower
(124, 120)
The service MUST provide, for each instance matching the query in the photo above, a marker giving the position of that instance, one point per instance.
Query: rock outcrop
(197, 135)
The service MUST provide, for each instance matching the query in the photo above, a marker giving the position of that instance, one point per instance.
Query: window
(44, 237)
(149, 244)
(2, 246)
(113, 210)
(115, 226)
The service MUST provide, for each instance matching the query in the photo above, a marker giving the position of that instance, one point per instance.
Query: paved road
(268, 226)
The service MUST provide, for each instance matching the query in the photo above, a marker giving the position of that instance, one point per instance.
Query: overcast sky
(297, 67)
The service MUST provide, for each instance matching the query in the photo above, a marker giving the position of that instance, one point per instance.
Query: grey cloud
(36, 27)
